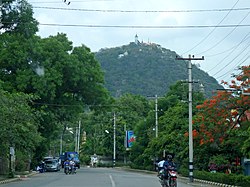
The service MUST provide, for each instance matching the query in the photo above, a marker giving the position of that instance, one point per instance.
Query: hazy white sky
(225, 47)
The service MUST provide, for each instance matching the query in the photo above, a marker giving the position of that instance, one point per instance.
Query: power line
(143, 11)
(222, 76)
(231, 51)
(236, 26)
(55, 2)
(212, 30)
(230, 62)
(143, 26)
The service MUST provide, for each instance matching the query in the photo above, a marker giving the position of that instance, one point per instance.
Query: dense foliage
(222, 124)
(62, 79)
(47, 86)
(147, 69)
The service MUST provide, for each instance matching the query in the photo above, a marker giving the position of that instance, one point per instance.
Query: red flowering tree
(222, 123)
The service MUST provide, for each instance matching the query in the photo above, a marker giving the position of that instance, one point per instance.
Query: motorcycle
(169, 178)
(66, 169)
(72, 170)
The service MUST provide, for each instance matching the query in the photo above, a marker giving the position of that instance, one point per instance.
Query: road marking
(112, 181)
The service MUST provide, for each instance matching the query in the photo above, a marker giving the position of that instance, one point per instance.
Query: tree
(63, 79)
(19, 128)
(222, 123)
(173, 120)
(17, 17)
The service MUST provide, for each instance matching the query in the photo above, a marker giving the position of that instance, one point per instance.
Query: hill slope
(147, 69)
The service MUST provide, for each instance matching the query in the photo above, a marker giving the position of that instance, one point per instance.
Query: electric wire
(231, 61)
(144, 26)
(212, 30)
(55, 2)
(226, 73)
(225, 36)
(142, 11)
(231, 52)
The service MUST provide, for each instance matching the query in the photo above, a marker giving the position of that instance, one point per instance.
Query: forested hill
(147, 69)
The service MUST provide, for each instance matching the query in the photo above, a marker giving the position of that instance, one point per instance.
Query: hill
(147, 69)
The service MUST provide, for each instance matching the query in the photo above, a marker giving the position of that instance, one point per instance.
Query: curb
(214, 183)
(17, 178)
(9, 180)
(186, 178)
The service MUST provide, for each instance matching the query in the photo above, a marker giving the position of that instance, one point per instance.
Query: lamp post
(114, 139)
(156, 114)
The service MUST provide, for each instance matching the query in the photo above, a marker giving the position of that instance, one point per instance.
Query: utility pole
(1, 13)
(114, 141)
(78, 136)
(61, 143)
(156, 116)
(190, 130)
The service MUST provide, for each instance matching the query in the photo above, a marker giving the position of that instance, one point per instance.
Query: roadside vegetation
(47, 86)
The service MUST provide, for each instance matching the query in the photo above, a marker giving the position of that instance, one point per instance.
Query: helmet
(169, 157)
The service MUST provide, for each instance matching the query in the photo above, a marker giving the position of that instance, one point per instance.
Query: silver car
(52, 165)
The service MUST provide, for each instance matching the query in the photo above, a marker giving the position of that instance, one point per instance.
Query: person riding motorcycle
(160, 166)
(66, 165)
(72, 165)
(168, 164)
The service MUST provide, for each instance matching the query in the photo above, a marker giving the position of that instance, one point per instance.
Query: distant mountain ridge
(147, 69)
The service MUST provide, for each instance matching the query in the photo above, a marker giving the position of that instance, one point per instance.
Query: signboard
(130, 139)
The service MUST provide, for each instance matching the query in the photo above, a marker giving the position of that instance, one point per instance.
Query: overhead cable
(142, 11)
(233, 60)
(239, 64)
(211, 31)
(144, 26)
(236, 26)
(55, 2)
(231, 52)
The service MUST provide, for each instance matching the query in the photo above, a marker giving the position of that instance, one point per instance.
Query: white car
(52, 165)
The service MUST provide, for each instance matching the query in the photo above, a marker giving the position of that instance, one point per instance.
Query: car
(52, 165)
(47, 158)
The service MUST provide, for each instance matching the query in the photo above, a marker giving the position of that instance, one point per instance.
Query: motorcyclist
(66, 164)
(72, 165)
(168, 164)
(160, 165)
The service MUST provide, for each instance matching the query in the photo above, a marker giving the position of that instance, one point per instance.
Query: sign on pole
(130, 139)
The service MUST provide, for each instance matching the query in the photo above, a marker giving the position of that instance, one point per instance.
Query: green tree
(222, 123)
(19, 127)
(63, 79)
(172, 125)
(17, 17)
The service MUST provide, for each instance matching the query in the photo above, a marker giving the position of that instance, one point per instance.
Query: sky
(219, 30)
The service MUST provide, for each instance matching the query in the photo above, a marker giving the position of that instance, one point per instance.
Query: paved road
(94, 177)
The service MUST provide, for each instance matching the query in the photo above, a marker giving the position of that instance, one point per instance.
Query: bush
(85, 159)
(230, 179)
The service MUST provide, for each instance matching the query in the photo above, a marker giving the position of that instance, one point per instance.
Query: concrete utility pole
(77, 137)
(0, 13)
(190, 131)
(156, 116)
(114, 142)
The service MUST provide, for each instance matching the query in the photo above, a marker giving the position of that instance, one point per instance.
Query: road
(93, 177)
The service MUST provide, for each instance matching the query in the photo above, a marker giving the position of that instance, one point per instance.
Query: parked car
(52, 165)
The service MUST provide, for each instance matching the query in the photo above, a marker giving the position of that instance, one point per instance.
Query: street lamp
(114, 139)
